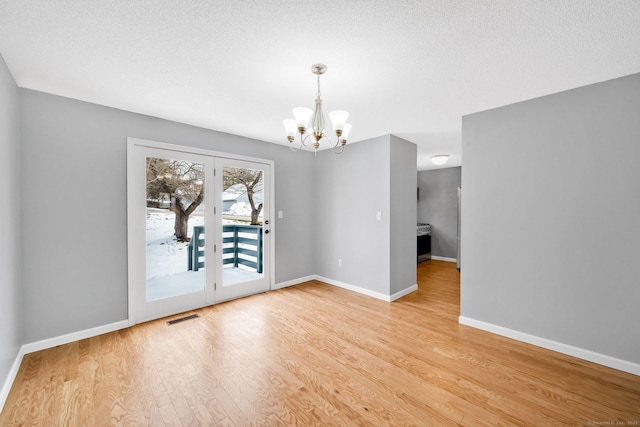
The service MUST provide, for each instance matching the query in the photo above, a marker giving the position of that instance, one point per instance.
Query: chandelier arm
(303, 140)
(337, 143)
(291, 147)
(332, 145)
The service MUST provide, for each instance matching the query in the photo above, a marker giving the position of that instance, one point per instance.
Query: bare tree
(180, 181)
(252, 181)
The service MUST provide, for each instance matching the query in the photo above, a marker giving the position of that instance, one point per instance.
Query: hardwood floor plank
(315, 354)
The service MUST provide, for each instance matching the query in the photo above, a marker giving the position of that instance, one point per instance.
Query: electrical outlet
(340, 263)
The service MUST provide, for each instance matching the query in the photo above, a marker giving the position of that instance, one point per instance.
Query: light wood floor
(314, 354)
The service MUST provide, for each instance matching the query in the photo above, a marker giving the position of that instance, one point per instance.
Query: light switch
(280, 215)
(379, 216)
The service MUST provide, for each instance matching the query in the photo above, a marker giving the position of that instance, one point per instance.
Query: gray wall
(74, 210)
(550, 223)
(10, 246)
(350, 189)
(403, 157)
(438, 206)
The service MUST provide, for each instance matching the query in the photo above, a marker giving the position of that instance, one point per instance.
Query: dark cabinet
(424, 247)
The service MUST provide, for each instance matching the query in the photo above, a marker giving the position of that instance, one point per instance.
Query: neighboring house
(238, 194)
(163, 202)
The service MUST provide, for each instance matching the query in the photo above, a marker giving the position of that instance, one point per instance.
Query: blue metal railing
(196, 249)
(237, 240)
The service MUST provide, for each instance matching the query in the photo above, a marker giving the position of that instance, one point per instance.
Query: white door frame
(134, 233)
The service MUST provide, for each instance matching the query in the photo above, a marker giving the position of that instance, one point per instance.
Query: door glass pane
(174, 227)
(242, 221)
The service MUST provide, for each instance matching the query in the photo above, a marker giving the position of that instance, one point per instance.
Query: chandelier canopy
(300, 125)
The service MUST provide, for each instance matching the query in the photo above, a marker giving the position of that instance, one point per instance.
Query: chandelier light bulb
(302, 116)
(345, 132)
(290, 128)
(339, 119)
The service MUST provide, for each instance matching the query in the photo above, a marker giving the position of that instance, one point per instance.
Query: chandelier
(300, 124)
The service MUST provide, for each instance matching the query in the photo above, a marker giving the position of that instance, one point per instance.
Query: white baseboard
(353, 288)
(347, 286)
(443, 258)
(74, 336)
(363, 291)
(403, 292)
(6, 387)
(292, 282)
(580, 353)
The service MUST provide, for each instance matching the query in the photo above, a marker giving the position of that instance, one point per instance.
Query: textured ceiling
(410, 68)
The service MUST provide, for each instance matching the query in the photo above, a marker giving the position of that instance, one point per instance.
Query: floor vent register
(182, 319)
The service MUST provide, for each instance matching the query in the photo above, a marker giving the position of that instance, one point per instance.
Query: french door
(243, 228)
(198, 228)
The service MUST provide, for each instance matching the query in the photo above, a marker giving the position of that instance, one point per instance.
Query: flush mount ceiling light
(300, 124)
(439, 159)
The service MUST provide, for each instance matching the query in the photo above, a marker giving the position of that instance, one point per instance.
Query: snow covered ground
(167, 259)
